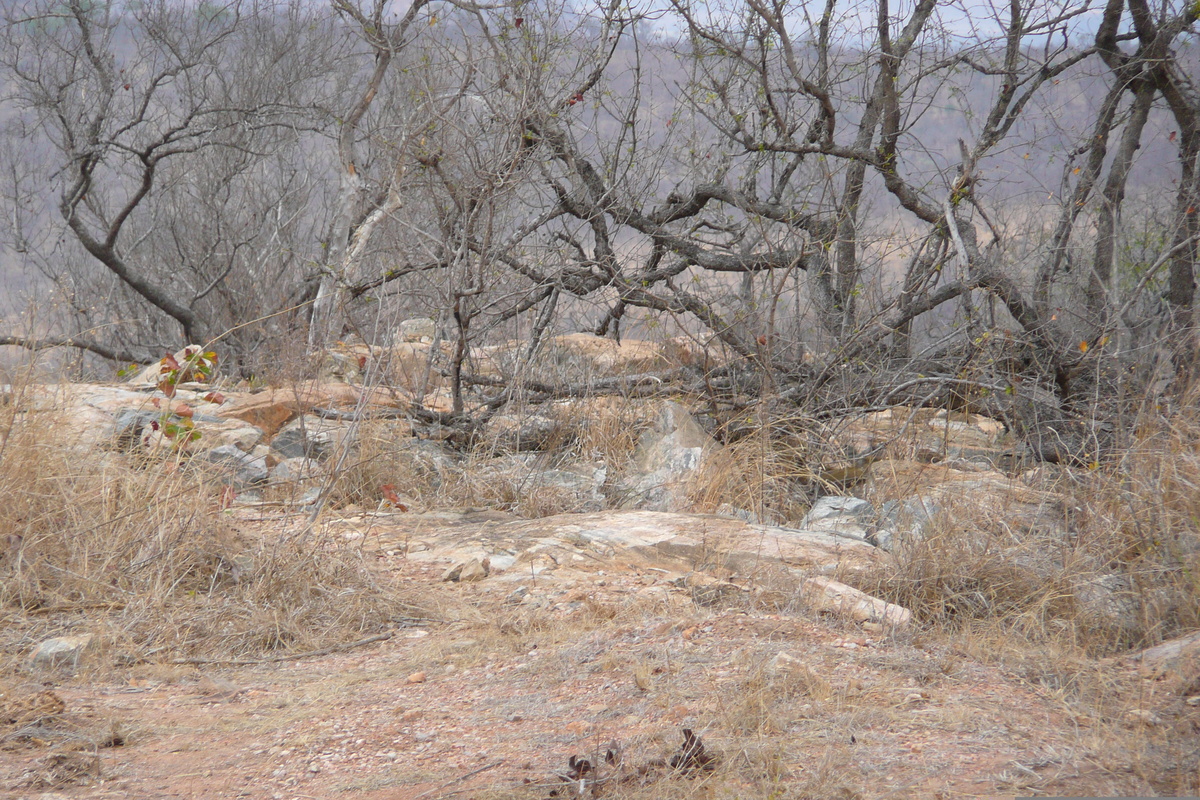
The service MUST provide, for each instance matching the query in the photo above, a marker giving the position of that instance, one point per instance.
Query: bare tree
(160, 122)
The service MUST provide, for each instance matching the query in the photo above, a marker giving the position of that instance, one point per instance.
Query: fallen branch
(459, 779)
(620, 383)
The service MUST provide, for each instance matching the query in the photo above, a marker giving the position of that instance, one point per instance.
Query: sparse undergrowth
(1121, 572)
(139, 553)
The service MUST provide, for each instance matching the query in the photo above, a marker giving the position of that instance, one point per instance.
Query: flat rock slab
(616, 540)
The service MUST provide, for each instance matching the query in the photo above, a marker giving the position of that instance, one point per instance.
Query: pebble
(416, 677)
(1142, 716)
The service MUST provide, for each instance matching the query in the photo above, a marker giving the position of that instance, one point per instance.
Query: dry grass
(138, 552)
(603, 432)
(1122, 573)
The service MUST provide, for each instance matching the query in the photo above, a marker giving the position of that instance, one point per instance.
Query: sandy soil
(494, 699)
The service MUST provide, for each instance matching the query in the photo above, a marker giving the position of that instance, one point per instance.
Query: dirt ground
(493, 699)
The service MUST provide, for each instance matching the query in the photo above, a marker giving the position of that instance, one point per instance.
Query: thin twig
(459, 779)
(76, 607)
(249, 662)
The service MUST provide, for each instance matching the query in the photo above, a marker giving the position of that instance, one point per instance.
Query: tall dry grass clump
(1141, 517)
(773, 467)
(488, 470)
(1121, 572)
(138, 551)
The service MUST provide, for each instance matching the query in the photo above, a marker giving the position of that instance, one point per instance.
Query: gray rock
(311, 437)
(60, 651)
(838, 508)
(130, 423)
(1110, 602)
(903, 521)
(215, 431)
(667, 457)
(429, 462)
(296, 469)
(512, 433)
(416, 330)
(242, 469)
(476, 569)
(783, 665)
(584, 481)
(845, 516)
(733, 512)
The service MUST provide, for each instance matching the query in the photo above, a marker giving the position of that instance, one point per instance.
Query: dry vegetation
(1134, 530)
(137, 552)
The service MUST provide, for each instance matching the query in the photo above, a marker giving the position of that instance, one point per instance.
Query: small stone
(580, 727)
(514, 718)
(60, 651)
(1142, 716)
(783, 664)
(678, 713)
(1194, 700)
(424, 737)
(314, 767)
(872, 627)
(416, 677)
(468, 571)
(475, 570)
(913, 697)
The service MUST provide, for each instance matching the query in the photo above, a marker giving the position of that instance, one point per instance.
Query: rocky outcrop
(926, 434)
(734, 556)
(667, 458)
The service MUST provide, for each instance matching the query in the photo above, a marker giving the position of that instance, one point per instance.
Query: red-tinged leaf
(519, 21)
(169, 362)
(211, 355)
(154, 425)
(167, 387)
(362, 362)
(1171, 136)
(184, 410)
(388, 490)
(215, 397)
(154, 401)
(194, 436)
